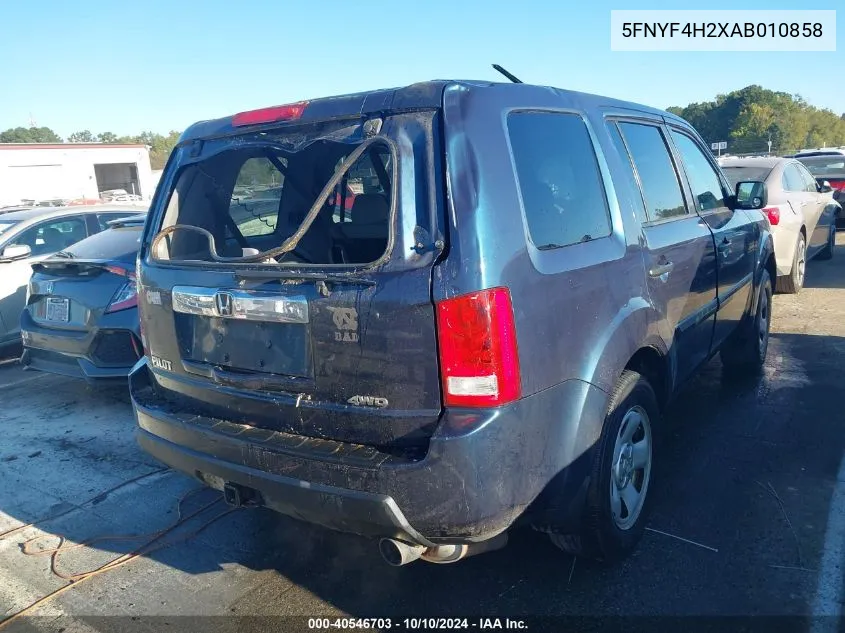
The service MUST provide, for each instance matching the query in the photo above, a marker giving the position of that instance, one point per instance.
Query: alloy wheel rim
(631, 468)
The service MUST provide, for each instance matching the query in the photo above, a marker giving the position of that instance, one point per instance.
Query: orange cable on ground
(75, 579)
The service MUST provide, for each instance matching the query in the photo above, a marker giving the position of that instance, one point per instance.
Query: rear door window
(559, 179)
(53, 235)
(628, 168)
(702, 175)
(653, 164)
(791, 179)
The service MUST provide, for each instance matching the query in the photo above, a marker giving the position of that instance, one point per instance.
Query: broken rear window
(253, 197)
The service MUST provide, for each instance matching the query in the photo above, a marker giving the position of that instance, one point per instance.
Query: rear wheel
(794, 281)
(746, 350)
(617, 499)
(827, 251)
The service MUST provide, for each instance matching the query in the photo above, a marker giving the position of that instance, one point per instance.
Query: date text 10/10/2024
(415, 624)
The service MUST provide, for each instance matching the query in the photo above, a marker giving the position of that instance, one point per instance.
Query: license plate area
(57, 310)
(272, 348)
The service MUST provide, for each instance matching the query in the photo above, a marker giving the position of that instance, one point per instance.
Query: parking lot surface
(747, 513)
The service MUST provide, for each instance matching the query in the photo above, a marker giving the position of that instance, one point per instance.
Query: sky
(126, 67)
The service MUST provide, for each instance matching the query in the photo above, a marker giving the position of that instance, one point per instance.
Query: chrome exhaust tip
(398, 553)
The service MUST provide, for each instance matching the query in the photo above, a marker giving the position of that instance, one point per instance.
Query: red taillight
(478, 352)
(123, 272)
(773, 213)
(837, 184)
(289, 112)
(125, 298)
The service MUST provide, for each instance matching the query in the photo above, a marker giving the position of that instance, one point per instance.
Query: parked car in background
(829, 171)
(824, 151)
(81, 317)
(29, 236)
(801, 212)
(488, 336)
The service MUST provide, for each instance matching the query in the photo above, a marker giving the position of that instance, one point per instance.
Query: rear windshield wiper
(63, 255)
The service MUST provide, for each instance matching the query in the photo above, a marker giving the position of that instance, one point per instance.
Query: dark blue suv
(430, 313)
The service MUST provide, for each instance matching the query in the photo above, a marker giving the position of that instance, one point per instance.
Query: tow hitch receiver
(237, 496)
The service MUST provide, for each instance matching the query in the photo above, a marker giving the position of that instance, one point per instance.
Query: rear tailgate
(328, 346)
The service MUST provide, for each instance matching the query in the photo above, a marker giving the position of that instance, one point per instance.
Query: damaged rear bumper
(471, 485)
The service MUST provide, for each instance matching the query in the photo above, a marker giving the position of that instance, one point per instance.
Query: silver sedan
(801, 211)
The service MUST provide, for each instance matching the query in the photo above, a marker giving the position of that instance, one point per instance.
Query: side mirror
(16, 251)
(825, 188)
(751, 194)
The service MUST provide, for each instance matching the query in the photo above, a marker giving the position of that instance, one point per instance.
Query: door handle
(661, 269)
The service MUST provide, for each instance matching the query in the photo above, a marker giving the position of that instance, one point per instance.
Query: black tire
(745, 351)
(827, 251)
(601, 537)
(794, 281)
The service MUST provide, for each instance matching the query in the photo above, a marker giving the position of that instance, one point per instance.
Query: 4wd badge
(368, 401)
(346, 322)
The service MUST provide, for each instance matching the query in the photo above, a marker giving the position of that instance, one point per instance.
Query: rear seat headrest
(370, 208)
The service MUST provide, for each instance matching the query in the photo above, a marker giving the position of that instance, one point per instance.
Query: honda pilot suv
(425, 315)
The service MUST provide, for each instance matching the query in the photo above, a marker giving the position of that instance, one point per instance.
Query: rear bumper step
(363, 513)
(474, 482)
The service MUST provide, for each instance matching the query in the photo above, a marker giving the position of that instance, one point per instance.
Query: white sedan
(802, 213)
(30, 236)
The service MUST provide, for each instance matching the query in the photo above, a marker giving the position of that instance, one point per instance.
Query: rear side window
(119, 243)
(559, 178)
(653, 163)
(703, 178)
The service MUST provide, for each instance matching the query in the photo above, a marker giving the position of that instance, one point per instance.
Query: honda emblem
(224, 302)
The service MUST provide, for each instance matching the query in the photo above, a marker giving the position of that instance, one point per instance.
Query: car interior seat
(365, 235)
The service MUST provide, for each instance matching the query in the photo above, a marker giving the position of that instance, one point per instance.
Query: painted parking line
(22, 381)
(827, 604)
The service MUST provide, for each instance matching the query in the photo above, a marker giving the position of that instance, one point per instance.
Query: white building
(72, 171)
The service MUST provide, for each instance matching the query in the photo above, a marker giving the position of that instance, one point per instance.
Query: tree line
(160, 145)
(749, 118)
